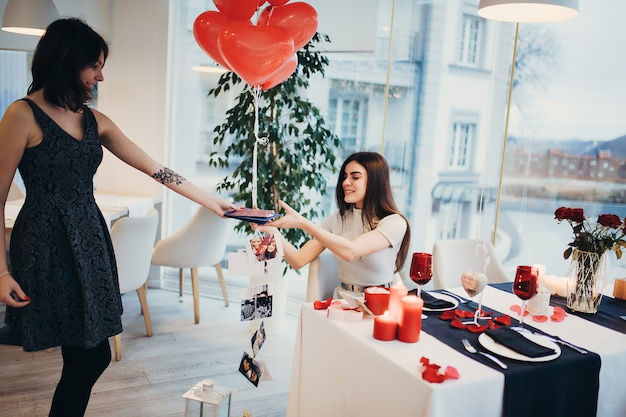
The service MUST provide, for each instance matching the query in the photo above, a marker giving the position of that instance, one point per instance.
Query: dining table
(112, 205)
(340, 369)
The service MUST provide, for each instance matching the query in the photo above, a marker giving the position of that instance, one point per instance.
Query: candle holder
(206, 399)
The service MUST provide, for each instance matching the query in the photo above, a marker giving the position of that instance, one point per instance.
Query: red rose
(560, 213)
(576, 215)
(609, 220)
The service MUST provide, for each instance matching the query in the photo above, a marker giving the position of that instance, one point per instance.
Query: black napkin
(514, 340)
(435, 303)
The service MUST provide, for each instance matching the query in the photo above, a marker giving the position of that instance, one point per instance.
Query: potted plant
(300, 149)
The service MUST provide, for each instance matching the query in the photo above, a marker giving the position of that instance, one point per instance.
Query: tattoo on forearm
(166, 175)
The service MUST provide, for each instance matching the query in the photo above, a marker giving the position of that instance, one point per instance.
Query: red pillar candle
(377, 299)
(410, 319)
(385, 327)
(396, 292)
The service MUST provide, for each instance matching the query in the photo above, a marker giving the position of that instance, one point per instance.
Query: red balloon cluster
(262, 54)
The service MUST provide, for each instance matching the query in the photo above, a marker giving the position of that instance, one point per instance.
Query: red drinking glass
(525, 286)
(421, 271)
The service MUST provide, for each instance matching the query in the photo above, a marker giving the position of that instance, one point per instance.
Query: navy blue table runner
(565, 387)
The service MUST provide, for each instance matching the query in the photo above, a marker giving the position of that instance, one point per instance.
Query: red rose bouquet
(596, 236)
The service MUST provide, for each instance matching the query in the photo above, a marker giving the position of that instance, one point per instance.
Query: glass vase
(586, 281)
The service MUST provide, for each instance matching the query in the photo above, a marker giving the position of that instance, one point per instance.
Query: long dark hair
(378, 202)
(67, 47)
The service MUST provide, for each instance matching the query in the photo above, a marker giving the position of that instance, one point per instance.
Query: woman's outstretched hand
(291, 220)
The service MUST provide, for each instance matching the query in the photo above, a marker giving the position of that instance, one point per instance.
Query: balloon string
(256, 94)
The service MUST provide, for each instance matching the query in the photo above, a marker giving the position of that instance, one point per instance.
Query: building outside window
(470, 41)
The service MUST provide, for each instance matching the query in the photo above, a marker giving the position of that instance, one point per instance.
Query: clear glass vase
(586, 281)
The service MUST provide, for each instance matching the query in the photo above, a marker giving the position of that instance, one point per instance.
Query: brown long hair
(68, 46)
(378, 202)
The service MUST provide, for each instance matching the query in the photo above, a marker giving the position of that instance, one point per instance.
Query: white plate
(489, 344)
(454, 301)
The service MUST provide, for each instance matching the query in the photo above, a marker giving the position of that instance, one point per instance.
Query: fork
(472, 349)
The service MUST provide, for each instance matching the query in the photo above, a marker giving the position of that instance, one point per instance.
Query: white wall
(133, 93)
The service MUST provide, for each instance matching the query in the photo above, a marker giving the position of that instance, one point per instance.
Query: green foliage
(300, 148)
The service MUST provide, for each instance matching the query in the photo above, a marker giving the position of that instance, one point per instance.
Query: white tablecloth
(339, 369)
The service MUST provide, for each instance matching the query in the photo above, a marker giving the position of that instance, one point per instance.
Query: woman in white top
(368, 235)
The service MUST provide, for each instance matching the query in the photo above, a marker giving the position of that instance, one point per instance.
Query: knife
(560, 341)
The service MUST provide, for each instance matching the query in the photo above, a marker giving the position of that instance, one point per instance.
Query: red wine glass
(525, 287)
(421, 271)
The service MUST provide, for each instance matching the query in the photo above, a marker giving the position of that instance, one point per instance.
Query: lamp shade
(29, 17)
(528, 10)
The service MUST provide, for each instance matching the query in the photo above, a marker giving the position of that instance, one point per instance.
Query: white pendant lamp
(29, 17)
(528, 10)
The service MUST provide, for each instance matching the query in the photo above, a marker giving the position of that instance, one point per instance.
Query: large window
(470, 41)
(565, 136)
(460, 146)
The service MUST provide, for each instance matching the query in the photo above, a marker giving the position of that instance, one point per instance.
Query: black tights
(81, 369)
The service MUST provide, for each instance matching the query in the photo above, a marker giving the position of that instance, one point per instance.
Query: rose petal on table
(557, 318)
(458, 324)
(504, 320)
(431, 372)
(451, 372)
(448, 315)
(540, 319)
(322, 305)
(476, 329)
(516, 308)
(558, 311)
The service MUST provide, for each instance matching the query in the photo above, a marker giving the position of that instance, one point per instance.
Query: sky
(586, 98)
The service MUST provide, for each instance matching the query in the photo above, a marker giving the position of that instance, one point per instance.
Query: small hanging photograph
(256, 302)
(264, 247)
(258, 338)
(251, 369)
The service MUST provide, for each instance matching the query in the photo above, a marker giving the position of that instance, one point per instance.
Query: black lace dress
(61, 251)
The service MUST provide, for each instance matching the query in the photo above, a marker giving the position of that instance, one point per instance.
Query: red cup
(377, 299)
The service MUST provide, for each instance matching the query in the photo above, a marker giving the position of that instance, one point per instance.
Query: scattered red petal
(448, 315)
(516, 308)
(557, 318)
(540, 319)
(476, 329)
(491, 324)
(458, 324)
(431, 372)
(504, 320)
(451, 372)
(322, 305)
(467, 314)
(558, 311)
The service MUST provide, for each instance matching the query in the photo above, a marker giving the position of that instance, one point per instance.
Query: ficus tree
(299, 150)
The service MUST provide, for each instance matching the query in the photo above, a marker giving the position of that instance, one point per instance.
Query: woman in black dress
(62, 289)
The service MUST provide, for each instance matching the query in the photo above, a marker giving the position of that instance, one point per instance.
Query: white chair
(201, 242)
(452, 257)
(323, 277)
(133, 240)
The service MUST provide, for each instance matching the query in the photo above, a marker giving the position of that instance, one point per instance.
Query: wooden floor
(156, 371)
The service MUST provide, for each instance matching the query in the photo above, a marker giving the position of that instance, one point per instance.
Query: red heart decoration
(255, 53)
(206, 28)
(237, 9)
(298, 18)
(283, 73)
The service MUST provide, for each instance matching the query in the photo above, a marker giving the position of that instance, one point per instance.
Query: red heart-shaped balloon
(298, 18)
(282, 74)
(255, 53)
(237, 9)
(206, 28)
